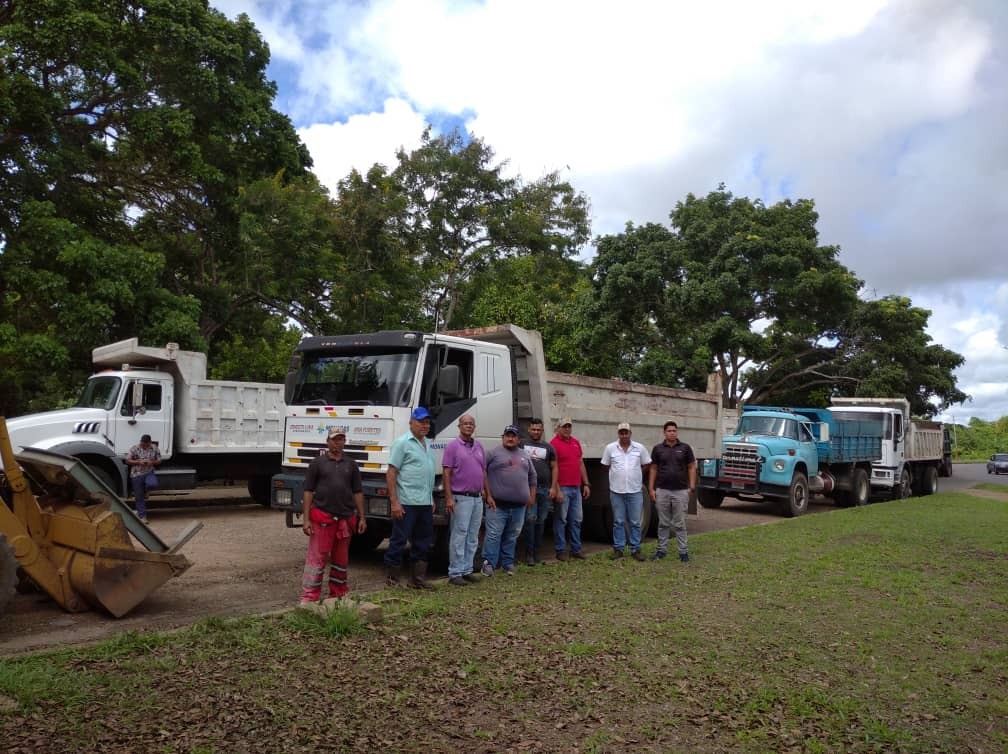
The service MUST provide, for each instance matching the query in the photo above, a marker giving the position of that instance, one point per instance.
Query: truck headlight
(283, 497)
(778, 465)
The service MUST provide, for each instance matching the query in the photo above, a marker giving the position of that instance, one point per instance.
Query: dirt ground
(245, 561)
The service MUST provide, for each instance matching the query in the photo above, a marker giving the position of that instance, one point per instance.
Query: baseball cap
(336, 432)
(420, 413)
(564, 421)
(511, 429)
(623, 425)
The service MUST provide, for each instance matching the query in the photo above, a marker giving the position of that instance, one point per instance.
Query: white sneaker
(487, 569)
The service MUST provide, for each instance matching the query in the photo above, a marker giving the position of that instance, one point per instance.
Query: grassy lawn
(992, 487)
(876, 629)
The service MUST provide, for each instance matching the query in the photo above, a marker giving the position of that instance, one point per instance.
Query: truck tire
(8, 573)
(106, 477)
(710, 498)
(901, 490)
(798, 496)
(929, 481)
(860, 492)
(259, 489)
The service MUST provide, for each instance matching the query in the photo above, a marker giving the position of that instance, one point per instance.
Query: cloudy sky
(890, 115)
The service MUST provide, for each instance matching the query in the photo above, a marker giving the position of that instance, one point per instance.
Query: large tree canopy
(746, 289)
(126, 133)
(464, 213)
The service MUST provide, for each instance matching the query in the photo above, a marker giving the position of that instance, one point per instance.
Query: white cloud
(889, 113)
(362, 141)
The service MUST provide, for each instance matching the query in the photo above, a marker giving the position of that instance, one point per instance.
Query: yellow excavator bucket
(76, 539)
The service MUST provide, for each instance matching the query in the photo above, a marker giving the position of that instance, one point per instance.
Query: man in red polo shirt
(572, 477)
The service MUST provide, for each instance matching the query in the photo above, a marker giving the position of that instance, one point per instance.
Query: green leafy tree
(464, 213)
(535, 292)
(126, 134)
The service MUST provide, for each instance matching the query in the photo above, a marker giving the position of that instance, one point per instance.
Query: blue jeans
(567, 517)
(535, 521)
(465, 526)
(502, 528)
(139, 484)
(627, 506)
(418, 527)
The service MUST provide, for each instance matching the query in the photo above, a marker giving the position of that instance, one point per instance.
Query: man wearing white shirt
(626, 461)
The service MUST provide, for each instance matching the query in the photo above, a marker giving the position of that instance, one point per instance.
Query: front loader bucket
(105, 568)
(75, 538)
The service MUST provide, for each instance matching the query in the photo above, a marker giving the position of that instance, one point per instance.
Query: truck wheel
(797, 499)
(710, 498)
(901, 490)
(860, 492)
(929, 483)
(106, 477)
(259, 488)
(8, 572)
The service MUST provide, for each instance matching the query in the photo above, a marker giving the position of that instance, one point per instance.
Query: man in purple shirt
(462, 469)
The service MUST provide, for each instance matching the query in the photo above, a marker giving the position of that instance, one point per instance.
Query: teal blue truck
(782, 455)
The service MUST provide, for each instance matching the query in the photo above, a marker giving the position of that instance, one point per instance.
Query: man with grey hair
(462, 471)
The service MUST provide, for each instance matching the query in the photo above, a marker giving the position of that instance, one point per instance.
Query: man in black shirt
(671, 480)
(332, 510)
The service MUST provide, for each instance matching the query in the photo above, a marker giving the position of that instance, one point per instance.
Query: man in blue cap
(410, 480)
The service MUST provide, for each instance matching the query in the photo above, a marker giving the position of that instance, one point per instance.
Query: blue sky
(890, 114)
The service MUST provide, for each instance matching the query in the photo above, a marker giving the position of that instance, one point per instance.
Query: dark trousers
(139, 484)
(417, 526)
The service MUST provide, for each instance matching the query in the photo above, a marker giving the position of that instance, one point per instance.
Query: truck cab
(367, 384)
(769, 446)
(114, 409)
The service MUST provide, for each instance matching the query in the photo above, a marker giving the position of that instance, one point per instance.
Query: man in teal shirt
(410, 480)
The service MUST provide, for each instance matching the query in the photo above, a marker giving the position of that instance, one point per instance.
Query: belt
(468, 493)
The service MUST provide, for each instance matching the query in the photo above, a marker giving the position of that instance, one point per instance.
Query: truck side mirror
(136, 399)
(448, 380)
(290, 382)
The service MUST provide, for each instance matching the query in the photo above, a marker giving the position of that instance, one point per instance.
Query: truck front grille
(740, 462)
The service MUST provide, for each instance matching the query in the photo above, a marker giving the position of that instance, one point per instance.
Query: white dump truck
(205, 429)
(914, 452)
(367, 384)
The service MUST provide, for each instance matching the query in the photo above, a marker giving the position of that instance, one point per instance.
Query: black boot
(419, 577)
(392, 576)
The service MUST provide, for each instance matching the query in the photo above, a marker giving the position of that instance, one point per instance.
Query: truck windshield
(772, 426)
(375, 379)
(100, 392)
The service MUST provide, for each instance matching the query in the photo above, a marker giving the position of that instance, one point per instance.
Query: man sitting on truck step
(142, 459)
(410, 480)
(332, 511)
(572, 477)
